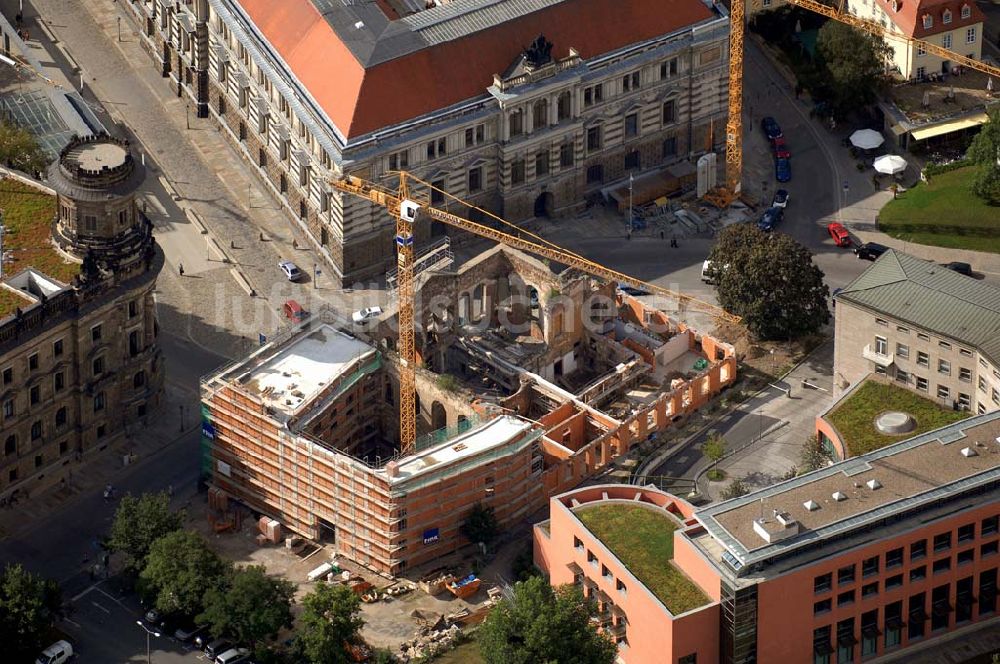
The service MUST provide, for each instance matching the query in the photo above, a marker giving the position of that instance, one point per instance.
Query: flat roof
(303, 367)
(924, 469)
(494, 433)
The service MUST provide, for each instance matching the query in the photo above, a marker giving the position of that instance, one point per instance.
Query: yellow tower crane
(404, 204)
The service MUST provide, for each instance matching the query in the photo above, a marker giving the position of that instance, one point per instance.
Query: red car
(839, 234)
(781, 150)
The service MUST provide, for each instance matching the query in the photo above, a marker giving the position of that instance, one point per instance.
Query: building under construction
(529, 382)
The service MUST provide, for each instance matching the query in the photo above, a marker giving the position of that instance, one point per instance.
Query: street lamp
(149, 633)
(119, 29)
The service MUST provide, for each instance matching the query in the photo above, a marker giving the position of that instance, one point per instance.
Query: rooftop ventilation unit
(359, 25)
(811, 505)
(838, 496)
(969, 452)
(874, 484)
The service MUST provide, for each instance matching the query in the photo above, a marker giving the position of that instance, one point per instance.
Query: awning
(948, 127)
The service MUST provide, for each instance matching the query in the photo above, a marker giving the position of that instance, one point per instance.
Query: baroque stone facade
(79, 362)
(535, 139)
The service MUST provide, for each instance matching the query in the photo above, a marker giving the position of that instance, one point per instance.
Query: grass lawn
(943, 213)
(28, 216)
(855, 417)
(644, 541)
(467, 653)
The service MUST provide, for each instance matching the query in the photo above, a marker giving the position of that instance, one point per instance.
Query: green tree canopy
(480, 525)
(19, 149)
(814, 455)
(331, 617)
(541, 625)
(140, 521)
(984, 152)
(855, 62)
(252, 607)
(771, 281)
(180, 568)
(28, 606)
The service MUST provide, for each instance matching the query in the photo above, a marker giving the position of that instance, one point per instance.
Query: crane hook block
(408, 210)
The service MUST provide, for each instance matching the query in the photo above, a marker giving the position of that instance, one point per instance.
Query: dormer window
(946, 17)
(966, 11)
(928, 21)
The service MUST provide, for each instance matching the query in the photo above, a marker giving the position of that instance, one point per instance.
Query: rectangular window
(33, 361)
(965, 557)
(967, 533)
(869, 590)
(945, 345)
(982, 384)
(8, 376)
(595, 174)
(35, 395)
(893, 624)
(631, 125)
(894, 581)
(823, 583)
(594, 138)
(964, 401)
(921, 384)
(894, 558)
(944, 367)
(942, 542)
(8, 408)
(946, 41)
(902, 330)
(943, 392)
(821, 645)
(940, 607)
(542, 163)
(822, 606)
(517, 171)
(845, 598)
(987, 592)
(923, 359)
(917, 615)
(902, 376)
(942, 565)
(918, 573)
(989, 526)
(99, 402)
(469, 137)
(845, 641)
(918, 550)
(965, 352)
(923, 337)
(845, 574)
(869, 633)
(881, 322)
(669, 147)
(95, 333)
(970, 36)
(995, 396)
(57, 347)
(566, 155)
(881, 346)
(902, 350)
(965, 375)
(475, 179)
(870, 566)
(669, 112)
(58, 381)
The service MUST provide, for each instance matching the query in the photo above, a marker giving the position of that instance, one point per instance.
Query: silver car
(291, 270)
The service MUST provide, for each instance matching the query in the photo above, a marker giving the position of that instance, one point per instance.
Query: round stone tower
(96, 179)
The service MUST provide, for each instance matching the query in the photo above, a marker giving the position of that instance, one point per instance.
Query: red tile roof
(909, 14)
(359, 101)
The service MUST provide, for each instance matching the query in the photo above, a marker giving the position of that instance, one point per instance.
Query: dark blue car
(770, 219)
(770, 128)
(782, 170)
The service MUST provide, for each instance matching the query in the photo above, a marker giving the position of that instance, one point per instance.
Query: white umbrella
(866, 139)
(890, 164)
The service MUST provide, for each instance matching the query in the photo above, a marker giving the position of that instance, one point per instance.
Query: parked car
(771, 218)
(780, 199)
(781, 150)
(57, 653)
(294, 312)
(708, 272)
(839, 234)
(233, 655)
(216, 648)
(291, 270)
(771, 128)
(961, 268)
(366, 314)
(782, 170)
(870, 250)
(153, 618)
(189, 632)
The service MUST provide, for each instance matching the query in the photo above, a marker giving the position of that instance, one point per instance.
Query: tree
(481, 524)
(19, 149)
(814, 455)
(252, 607)
(770, 280)
(180, 568)
(330, 618)
(714, 448)
(855, 62)
(28, 606)
(984, 152)
(539, 624)
(735, 489)
(140, 521)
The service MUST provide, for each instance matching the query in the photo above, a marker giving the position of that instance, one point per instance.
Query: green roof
(931, 297)
(642, 538)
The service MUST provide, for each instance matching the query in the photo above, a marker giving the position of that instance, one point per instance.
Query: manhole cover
(895, 422)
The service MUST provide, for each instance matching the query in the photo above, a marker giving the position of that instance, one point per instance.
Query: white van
(232, 656)
(57, 653)
(706, 272)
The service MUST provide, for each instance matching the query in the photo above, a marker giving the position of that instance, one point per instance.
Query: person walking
(180, 269)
